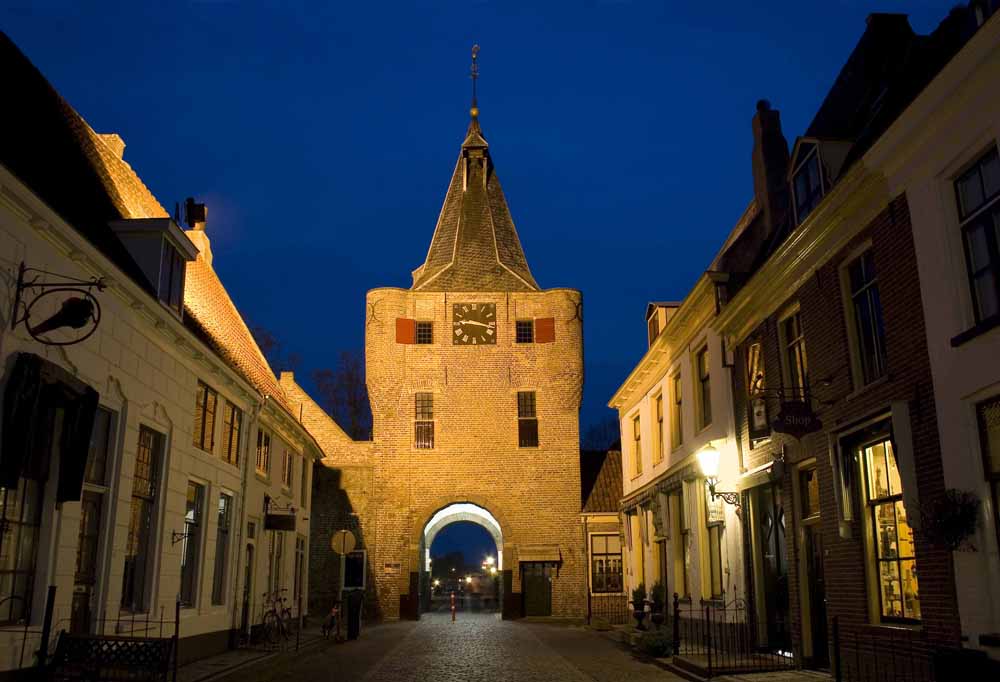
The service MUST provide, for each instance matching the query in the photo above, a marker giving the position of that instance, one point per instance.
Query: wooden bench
(100, 658)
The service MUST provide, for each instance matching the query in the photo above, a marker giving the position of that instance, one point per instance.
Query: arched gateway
(475, 376)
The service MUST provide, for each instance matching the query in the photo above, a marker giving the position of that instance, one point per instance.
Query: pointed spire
(475, 246)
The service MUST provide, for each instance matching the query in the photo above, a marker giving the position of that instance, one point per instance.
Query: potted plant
(639, 605)
(657, 596)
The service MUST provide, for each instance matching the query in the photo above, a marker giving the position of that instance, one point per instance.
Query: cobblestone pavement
(475, 647)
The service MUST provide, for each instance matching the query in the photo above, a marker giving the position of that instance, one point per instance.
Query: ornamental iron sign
(796, 419)
(62, 311)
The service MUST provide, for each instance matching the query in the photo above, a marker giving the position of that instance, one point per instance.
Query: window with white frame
(605, 563)
(205, 405)
(139, 544)
(194, 512)
(658, 441)
(232, 427)
(93, 500)
(286, 469)
(676, 412)
(715, 525)
(263, 463)
(704, 386)
(225, 512)
(866, 313)
(988, 415)
(636, 445)
(796, 364)
(891, 552)
(807, 181)
(977, 191)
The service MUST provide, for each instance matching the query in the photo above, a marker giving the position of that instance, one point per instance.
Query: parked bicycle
(277, 621)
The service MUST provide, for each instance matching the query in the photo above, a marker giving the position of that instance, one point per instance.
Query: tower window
(425, 332)
(525, 331)
(423, 425)
(527, 420)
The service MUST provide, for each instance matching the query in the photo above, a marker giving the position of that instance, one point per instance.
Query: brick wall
(839, 405)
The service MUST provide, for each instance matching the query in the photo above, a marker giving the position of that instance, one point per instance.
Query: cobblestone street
(476, 647)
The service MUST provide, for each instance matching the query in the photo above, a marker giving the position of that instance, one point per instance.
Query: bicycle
(277, 620)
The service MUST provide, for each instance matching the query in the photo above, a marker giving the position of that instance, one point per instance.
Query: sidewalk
(223, 664)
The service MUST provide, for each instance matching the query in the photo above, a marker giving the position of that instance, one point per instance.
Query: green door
(536, 582)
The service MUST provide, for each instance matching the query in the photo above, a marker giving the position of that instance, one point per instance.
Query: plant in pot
(639, 605)
(657, 596)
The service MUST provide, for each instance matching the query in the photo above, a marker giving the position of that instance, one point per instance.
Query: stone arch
(463, 511)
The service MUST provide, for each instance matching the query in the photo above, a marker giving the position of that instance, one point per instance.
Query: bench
(97, 658)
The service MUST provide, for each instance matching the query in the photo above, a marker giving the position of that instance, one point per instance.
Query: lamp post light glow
(468, 579)
(708, 462)
(490, 561)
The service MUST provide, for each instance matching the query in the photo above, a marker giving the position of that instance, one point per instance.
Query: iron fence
(611, 608)
(869, 655)
(720, 637)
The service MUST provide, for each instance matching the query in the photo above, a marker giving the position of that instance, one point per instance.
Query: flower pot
(640, 616)
(657, 617)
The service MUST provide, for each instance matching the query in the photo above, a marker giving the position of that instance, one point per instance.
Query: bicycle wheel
(272, 627)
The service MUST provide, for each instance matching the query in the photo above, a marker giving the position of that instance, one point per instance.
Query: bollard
(452, 607)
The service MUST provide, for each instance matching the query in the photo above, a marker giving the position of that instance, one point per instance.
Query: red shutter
(545, 330)
(406, 330)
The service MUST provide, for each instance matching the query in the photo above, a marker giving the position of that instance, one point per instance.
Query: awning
(535, 553)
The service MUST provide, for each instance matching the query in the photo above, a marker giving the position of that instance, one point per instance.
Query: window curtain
(34, 387)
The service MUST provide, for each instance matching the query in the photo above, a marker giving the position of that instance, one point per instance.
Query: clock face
(474, 324)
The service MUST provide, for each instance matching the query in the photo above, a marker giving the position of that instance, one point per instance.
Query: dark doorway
(817, 596)
(247, 591)
(536, 583)
(774, 564)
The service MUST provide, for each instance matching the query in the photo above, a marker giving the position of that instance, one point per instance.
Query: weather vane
(474, 74)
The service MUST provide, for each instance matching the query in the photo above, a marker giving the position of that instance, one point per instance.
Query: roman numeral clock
(474, 324)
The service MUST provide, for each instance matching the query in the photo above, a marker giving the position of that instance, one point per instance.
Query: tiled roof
(475, 246)
(209, 306)
(601, 480)
(81, 176)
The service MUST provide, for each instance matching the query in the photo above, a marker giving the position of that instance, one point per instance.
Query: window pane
(904, 534)
(991, 174)
(423, 435)
(985, 287)
(425, 332)
(970, 191)
(614, 544)
(911, 595)
(892, 594)
(527, 433)
(977, 244)
(886, 541)
(600, 544)
(100, 443)
(424, 405)
(989, 429)
(524, 331)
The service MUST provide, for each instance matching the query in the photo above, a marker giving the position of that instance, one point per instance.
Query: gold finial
(474, 74)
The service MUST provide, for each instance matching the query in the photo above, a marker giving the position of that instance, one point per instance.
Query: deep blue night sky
(466, 537)
(322, 137)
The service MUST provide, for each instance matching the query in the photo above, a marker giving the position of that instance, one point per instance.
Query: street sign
(279, 522)
(342, 542)
(796, 419)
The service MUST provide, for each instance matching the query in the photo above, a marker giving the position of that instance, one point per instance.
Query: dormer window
(171, 289)
(161, 250)
(807, 182)
(653, 328)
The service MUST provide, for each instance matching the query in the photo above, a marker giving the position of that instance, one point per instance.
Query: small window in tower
(425, 332)
(525, 331)
(527, 420)
(423, 425)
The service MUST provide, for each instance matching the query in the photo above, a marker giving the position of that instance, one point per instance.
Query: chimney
(196, 215)
(114, 142)
(770, 167)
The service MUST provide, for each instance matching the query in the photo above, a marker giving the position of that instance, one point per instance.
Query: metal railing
(867, 655)
(611, 608)
(721, 637)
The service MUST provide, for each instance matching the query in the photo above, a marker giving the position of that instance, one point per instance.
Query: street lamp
(708, 461)
(468, 579)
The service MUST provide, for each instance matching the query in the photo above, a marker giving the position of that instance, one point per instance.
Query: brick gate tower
(475, 376)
